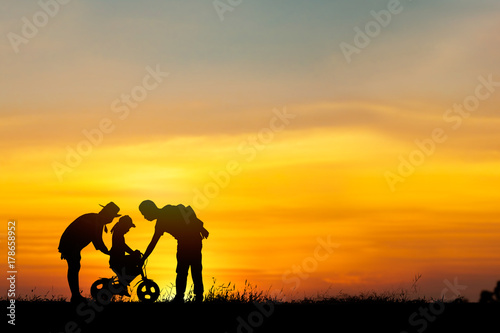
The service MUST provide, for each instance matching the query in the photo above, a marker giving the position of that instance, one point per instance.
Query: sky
(328, 146)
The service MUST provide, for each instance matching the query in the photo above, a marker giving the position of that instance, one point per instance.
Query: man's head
(149, 210)
(109, 212)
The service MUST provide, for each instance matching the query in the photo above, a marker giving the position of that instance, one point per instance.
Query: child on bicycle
(122, 264)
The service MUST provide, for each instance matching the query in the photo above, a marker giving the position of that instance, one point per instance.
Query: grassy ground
(248, 310)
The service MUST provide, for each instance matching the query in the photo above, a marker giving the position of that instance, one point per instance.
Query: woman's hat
(111, 209)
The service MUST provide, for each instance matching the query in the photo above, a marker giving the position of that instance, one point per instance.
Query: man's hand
(204, 233)
(152, 244)
(137, 255)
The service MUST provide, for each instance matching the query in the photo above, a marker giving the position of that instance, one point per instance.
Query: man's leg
(182, 273)
(196, 268)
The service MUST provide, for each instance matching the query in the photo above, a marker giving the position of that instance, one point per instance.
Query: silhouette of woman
(80, 233)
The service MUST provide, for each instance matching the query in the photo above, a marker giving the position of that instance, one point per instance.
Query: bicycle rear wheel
(99, 286)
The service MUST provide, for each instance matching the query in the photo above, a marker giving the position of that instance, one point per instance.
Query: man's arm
(152, 244)
(199, 224)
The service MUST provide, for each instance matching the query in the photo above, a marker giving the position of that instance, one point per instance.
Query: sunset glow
(261, 125)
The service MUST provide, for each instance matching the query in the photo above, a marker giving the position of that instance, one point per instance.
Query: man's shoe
(178, 300)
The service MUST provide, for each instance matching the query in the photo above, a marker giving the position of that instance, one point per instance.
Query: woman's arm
(97, 240)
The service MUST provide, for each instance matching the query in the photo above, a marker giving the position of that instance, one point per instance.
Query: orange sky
(317, 175)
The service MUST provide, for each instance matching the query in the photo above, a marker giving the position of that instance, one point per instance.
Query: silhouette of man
(180, 222)
(85, 229)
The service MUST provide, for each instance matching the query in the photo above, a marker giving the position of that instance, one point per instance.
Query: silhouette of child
(125, 266)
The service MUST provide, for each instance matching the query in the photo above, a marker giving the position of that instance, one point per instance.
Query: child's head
(123, 225)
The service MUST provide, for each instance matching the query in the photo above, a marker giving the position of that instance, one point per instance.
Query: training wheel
(97, 286)
(148, 291)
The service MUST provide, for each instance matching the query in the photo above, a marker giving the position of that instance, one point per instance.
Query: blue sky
(263, 54)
